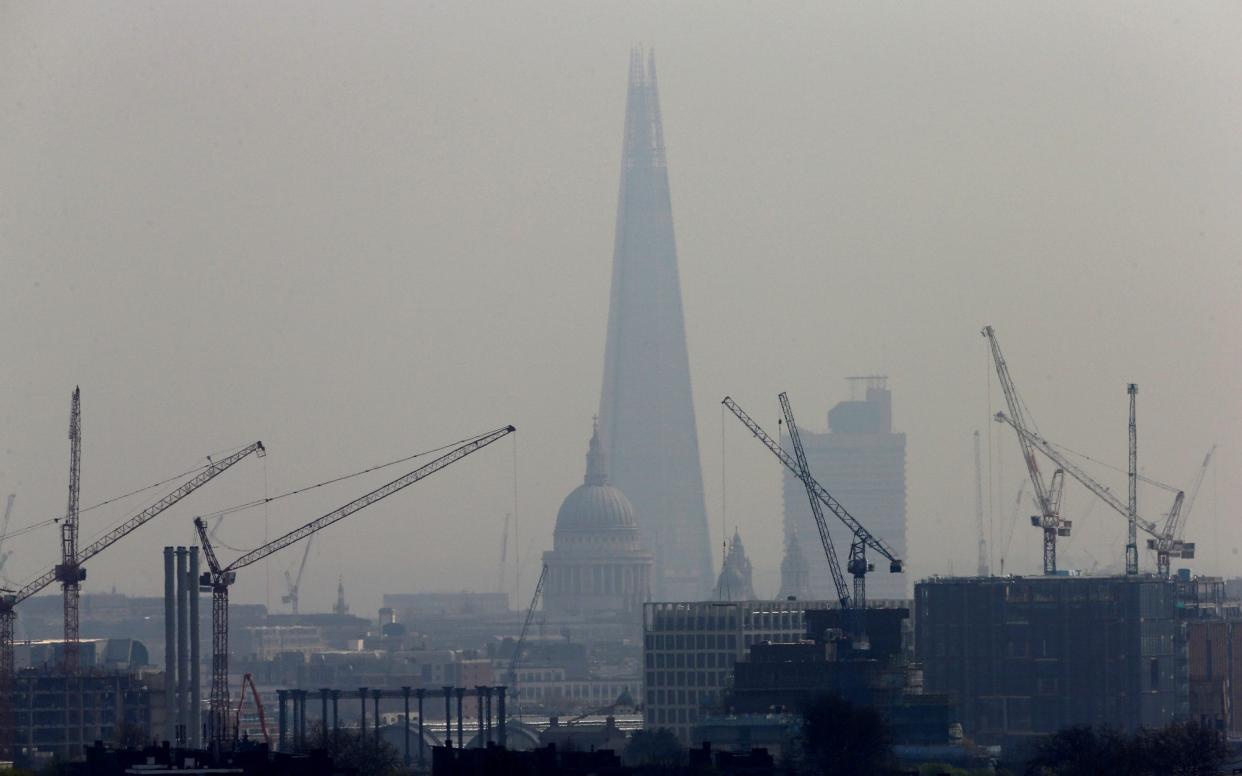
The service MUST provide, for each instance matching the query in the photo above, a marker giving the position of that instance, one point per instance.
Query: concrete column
(336, 719)
(282, 725)
(170, 647)
(461, 694)
(448, 715)
(196, 700)
(419, 694)
(405, 697)
(301, 697)
(500, 714)
(183, 644)
(487, 713)
(323, 719)
(375, 695)
(478, 698)
(362, 724)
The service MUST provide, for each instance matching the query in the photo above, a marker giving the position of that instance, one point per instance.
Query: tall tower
(861, 461)
(646, 411)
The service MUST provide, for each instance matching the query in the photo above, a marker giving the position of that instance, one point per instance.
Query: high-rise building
(646, 412)
(862, 462)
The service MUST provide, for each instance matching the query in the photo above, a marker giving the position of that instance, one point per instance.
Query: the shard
(646, 410)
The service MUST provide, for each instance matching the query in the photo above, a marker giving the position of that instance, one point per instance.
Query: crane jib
(383, 491)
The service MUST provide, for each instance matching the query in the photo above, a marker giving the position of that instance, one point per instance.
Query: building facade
(862, 462)
(1025, 657)
(690, 649)
(646, 411)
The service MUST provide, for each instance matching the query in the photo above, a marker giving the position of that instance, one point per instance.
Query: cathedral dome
(595, 505)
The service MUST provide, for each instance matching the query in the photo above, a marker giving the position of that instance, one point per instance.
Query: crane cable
(42, 523)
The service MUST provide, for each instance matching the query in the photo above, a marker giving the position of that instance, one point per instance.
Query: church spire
(597, 469)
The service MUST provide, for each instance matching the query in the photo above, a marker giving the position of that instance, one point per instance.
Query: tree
(1179, 749)
(1081, 750)
(349, 750)
(1182, 749)
(842, 739)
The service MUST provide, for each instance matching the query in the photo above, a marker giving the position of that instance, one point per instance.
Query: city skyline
(359, 237)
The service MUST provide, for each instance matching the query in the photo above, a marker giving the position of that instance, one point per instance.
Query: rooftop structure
(646, 412)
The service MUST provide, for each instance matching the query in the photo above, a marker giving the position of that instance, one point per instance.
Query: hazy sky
(360, 230)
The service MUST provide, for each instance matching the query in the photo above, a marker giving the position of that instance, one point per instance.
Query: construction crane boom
(248, 681)
(817, 510)
(219, 577)
(516, 660)
(1037, 442)
(825, 498)
(69, 572)
(1049, 520)
(1177, 524)
(209, 473)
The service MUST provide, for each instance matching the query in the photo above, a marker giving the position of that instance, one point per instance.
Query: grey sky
(359, 230)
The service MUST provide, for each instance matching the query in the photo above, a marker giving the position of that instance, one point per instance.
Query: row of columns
(292, 722)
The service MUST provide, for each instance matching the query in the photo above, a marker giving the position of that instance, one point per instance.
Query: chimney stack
(170, 646)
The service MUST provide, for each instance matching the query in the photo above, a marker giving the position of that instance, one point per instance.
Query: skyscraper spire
(646, 411)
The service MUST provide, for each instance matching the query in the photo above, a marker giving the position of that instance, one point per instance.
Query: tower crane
(504, 553)
(1170, 543)
(4, 529)
(69, 571)
(516, 660)
(10, 599)
(817, 511)
(1049, 520)
(862, 537)
(295, 584)
(1103, 493)
(219, 578)
(1132, 505)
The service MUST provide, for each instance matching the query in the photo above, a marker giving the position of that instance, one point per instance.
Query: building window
(1155, 673)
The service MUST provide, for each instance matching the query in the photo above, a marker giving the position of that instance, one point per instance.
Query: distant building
(60, 714)
(690, 649)
(795, 573)
(1215, 676)
(406, 606)
(597, 563)
(862, 462)
(1026, 656)
(734, 583)
(646, 411)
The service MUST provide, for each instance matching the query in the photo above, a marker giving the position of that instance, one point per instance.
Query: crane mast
(218, 578)
(516, 660)
(1132, 505)
(862, 537)
(1049, 520)
(982, 569)
(817, 510)
(70, 573)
